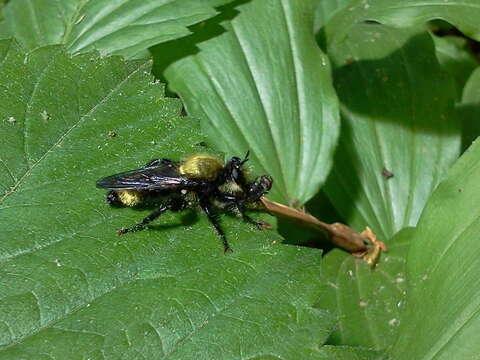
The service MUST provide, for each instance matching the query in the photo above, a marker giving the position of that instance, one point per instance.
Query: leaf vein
(65, 135)
(284, 190)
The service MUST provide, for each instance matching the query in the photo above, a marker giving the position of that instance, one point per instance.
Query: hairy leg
(172, 205)
(208, 209)
(241, 209)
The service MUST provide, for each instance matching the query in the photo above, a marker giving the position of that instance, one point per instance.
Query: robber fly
(199, 180)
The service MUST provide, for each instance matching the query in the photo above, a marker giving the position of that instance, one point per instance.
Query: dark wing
(158, 177)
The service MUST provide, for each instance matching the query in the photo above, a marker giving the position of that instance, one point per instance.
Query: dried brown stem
(363, 244)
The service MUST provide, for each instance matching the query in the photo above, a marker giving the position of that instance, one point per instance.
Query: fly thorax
(230, 187)
(201, 167)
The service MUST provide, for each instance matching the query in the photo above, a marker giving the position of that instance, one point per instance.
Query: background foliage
(329, 96)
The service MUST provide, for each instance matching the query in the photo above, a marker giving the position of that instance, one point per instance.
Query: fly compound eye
(266, 182)
(233, 169)
(236, 162)
(259, 187)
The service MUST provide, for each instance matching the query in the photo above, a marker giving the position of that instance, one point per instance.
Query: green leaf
(441, 320)
(71, 288)
(325, 10)
(4, 31)
(111, 26)
(397, 109)
(2, 6)
(367, 301)
(471, 92)
(348, 353)
(463, 14)
(264, 86)
(456, 59)
(469, 109)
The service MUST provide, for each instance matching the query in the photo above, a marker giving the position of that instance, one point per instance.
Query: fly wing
(161, 177)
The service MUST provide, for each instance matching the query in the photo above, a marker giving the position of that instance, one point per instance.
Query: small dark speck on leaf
(349, 60)
(460, 190)
(387, 174)
(371, 22)
(112, 133)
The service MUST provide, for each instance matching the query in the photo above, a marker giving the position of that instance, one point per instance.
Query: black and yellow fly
(199, 180)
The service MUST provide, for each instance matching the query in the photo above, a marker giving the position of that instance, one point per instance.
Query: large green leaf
(348, 353)
(471, 91)
(111, 26)
(442, 314)
(368, 302)
(264, 86)
(2, 6)
(463, 14)
(325, 10)
(397, 108)
(71, 288)
(469, 109)
(453, 55)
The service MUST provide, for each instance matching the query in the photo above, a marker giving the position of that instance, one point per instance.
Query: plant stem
(364, 244)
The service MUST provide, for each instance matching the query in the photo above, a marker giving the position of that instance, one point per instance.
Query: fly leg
(172, 205)
(233, 202)
(112, 199)
(207, 208)
(259, 224)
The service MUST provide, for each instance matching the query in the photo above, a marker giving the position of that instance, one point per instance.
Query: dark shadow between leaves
(169, 52)
(295, 234)
(381, 90)
(345, 154)
(469, 115)
(323, 207)
(376, 88)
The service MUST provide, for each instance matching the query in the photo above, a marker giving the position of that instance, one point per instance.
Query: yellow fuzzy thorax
(230, 187)
(130, 197)
(201, 166)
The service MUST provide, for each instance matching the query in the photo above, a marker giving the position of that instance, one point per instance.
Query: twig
(364, 245)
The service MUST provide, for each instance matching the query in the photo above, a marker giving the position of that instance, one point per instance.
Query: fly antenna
(246, 157)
